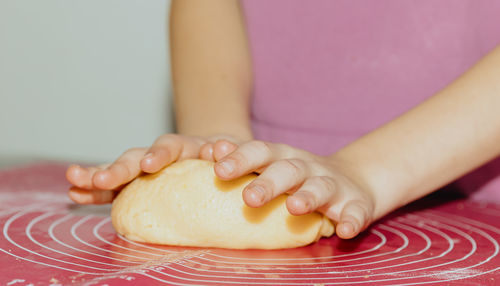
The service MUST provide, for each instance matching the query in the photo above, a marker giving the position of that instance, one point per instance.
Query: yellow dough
(185, 204)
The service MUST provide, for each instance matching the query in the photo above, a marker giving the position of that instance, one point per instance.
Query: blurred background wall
(82, 80)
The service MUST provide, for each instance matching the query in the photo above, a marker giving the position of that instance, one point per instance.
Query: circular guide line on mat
(81, 244)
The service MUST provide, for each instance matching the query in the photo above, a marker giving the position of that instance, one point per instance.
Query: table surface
(47, 240)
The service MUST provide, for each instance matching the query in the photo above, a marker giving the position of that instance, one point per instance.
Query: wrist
(371, 177)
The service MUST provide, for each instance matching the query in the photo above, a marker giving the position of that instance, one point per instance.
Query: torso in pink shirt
(328, 71)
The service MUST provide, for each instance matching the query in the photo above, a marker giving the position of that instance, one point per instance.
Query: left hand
(315, 183)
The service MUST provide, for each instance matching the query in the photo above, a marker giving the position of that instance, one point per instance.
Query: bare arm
(212, 78)
(438, 141)
(433, 144)
(211, 68)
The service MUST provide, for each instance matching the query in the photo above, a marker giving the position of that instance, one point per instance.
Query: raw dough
(185, 204)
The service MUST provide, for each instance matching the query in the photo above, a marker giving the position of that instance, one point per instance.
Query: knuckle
(325, 183)
(123, 166)
(292, 165)
(239, 158)
(287, 151)
(206, 147)
(266, 185)
(166, 137)
(312, 198)
(318, 168)
(162, 138)
(260, 146)
(367, 211)
(361, 208)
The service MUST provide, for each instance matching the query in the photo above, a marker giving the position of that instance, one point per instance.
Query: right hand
(100, 184)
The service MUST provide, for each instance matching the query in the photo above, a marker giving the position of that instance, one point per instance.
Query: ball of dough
(185, 204)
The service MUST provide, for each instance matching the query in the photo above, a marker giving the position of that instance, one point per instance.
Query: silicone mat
(47, 240)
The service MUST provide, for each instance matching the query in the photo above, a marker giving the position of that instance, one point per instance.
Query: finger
(207, 152)
(123, 170)
(353, 219)
(169, 148)
(82, 177)
(245, 159)
(222, 148)
(166, 149)
(313, 194)
(190, 147)
(279, 177)
(91, 196)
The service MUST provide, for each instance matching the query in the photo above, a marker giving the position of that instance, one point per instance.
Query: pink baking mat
(47, 240)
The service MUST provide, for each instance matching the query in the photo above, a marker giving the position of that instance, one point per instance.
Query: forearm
(211, 68)
(433, 144)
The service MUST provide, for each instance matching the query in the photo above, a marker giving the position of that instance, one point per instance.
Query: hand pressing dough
(185, 204)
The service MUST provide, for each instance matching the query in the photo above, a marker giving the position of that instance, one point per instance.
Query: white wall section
(82, 79)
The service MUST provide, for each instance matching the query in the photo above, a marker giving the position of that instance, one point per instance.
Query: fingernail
(259, 193)
(227, 167)
(349, 227)
(304, 199)
(147, 158)
(76, 170)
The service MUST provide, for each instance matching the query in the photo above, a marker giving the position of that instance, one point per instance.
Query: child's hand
(99, 185)
(314, 182)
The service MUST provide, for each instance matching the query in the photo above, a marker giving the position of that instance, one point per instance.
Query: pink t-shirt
(329, 71)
